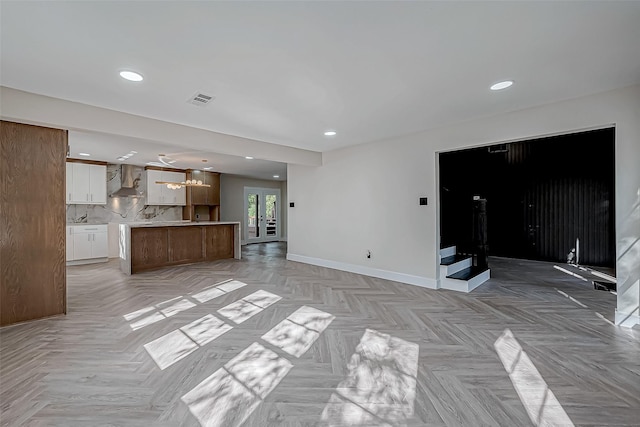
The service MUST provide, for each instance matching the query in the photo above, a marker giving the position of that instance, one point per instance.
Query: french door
(262, 214)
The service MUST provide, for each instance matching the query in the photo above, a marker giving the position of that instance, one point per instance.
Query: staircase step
(453, 259)
(447, 252)
(467, 273)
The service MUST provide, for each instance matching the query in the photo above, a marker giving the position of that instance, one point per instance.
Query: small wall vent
(200, 99)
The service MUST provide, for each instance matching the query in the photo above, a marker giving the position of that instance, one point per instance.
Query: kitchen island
(151, 245)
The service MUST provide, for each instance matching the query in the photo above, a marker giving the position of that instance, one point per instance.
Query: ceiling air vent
(200, 99)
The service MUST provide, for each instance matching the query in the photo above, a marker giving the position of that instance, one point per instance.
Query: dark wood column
(32, 222)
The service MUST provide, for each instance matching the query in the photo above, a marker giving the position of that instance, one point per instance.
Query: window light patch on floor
(155, 313)
(380, 387)
(297, 333)
(217, 290)
(566, 295)
(233, 392)
(570, 273)
(178, 344)
(539, 401)
(249, 306)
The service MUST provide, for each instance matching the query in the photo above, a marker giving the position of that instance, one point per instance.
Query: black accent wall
(541, 195)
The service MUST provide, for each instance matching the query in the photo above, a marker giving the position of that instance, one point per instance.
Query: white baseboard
(454, 285)
(409, 279)
(87, 261)
(627, 320)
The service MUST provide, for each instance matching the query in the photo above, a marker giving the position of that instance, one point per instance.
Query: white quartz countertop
(149, 224)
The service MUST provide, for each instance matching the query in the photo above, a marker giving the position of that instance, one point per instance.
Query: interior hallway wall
(366, 197)
(232, 199)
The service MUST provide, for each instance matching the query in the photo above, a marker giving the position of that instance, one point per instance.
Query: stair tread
(468, 273)
(453, 259)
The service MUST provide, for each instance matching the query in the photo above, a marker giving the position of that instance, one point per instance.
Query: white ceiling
(109, 147)
(284, 72)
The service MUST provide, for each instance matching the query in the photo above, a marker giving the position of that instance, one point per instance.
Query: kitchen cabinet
(203, 203)
(161, 195)
(87, 242)
(204, 195)
(86, 184)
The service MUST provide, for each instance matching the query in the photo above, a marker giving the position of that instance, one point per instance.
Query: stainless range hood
(128, 182)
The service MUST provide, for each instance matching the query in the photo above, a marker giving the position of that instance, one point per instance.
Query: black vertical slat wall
(542, 195)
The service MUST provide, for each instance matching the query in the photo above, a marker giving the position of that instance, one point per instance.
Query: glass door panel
(270, 215)
(253, 230)
(262, 214)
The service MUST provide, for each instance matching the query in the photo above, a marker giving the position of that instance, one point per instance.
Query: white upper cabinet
(86, 184)
(98, 184)
(154, 191)
(158, 194)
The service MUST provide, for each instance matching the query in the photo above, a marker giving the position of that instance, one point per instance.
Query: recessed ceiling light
(208, 168)
(121, 159)
(248, 157)
(131, 75)
(133, 152)
(330, 133)
(84, 154)
(276, 176)
(501, 85)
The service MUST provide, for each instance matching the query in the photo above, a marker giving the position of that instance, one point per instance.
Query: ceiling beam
(25, 107)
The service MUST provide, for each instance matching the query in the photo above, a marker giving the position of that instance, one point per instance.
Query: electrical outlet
(368, 254)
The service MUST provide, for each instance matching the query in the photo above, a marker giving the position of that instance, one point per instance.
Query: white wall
(232, 199)
(366, 197)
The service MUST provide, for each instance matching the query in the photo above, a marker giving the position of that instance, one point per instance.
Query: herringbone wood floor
(433, 358)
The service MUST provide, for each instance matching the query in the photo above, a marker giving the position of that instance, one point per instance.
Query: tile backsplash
(122, 209)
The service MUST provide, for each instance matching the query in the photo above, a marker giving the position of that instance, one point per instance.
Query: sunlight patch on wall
(539, 401)
(380, 387)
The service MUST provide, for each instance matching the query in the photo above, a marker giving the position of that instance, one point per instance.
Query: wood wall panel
(32, 222)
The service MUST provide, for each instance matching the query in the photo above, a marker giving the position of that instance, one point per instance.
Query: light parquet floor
(386, 354)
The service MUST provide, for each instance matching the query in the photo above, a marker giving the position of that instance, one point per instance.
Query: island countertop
(151, 245)
(185, 223)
